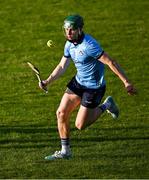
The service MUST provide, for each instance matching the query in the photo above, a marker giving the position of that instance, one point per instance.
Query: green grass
(28, 131)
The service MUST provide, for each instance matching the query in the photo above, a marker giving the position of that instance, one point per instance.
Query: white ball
(50, 43)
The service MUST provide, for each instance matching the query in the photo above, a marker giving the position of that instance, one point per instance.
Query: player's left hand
(130, 89)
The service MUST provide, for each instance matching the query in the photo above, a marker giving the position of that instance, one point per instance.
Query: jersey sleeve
(66, 50)
(94, 49)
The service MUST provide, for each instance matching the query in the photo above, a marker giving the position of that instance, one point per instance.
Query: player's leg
(90, 110)
(87, 116)
(68, 103)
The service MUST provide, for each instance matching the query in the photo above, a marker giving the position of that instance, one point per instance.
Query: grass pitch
(28, 131)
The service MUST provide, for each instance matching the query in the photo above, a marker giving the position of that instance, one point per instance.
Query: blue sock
(103, 107)
(65, 141)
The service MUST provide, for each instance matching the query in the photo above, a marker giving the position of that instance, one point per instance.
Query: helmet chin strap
(80, 32)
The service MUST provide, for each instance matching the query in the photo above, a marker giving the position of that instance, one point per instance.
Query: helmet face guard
(69, 24)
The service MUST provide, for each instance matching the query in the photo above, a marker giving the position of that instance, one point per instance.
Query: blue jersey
(90, 71)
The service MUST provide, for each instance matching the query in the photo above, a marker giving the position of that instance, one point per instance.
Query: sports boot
(113, 109)
(58, 155)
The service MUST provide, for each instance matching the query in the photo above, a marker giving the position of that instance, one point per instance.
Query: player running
(87, 87)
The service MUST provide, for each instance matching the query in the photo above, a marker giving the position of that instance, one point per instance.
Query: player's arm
(58, 71)
(115, 67)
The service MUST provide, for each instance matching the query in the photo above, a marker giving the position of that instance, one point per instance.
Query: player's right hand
(43, 85)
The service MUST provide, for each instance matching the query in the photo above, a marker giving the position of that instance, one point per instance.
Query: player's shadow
(114, 137)
(25, 129)
(108, 134)
(34, 136)
(27, 136)
(103, 139)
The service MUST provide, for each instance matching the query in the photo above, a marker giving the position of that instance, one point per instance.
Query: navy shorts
(90, 98)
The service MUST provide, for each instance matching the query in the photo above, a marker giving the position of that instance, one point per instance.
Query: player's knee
(79, 125)
(60, 115)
